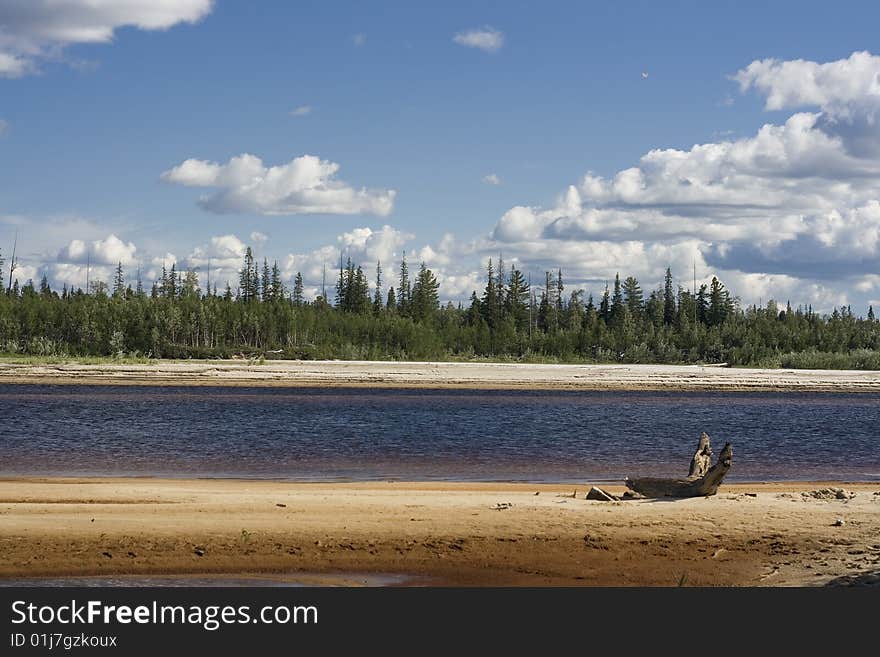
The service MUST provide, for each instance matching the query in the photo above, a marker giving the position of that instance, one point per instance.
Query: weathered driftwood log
(703, 480)
(702, 458)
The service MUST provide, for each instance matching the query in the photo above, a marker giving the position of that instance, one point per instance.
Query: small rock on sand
(829, 494)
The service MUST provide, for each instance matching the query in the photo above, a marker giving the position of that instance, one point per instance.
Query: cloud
(365, 246)
(492, 179)
(800, 83)
(795, 203)
(487, 39)
(258, 237)
(302, 110)
(359, 40)
(35, 30)
(4, 127)
(305, 185)
(108, 251)
(14, 67)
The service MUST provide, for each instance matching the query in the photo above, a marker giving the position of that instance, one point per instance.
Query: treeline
(510, 319)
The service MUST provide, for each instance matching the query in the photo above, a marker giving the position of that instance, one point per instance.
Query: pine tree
(871, 313)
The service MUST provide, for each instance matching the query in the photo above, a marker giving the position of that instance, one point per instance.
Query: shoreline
(447, 375)
(441, 533)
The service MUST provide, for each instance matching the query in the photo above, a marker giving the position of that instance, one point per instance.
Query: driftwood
(702, 480)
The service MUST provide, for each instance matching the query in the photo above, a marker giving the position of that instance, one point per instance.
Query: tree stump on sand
(701, 482)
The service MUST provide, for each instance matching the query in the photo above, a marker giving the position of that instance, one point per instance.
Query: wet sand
(759, 534)
(447, 375)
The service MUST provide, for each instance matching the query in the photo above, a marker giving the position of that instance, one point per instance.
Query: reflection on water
(360, 434)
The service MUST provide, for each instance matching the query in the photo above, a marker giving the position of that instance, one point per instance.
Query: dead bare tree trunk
(701, 482)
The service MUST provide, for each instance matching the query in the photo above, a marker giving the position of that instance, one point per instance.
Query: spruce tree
(172, 282)
(247, 278)
(605, 306)
(617, 307)
(404, 289)
(559, 288)
(276, 285)
(266, 282)
(720, 304)
(425, 295)
(490, 303)
(298, 290)
(377, 296)
(633, 297)
(391, 303)
(516, 299)
(118, 281)
(668, 299)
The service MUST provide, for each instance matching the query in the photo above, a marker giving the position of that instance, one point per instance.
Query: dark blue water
(317, 434)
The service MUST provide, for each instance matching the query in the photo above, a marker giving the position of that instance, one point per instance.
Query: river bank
(445, 375)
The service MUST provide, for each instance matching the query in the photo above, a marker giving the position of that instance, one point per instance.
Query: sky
(740, 138)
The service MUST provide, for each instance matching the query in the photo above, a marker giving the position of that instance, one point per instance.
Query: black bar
(432, 617)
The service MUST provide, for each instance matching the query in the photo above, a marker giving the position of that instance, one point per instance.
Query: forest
(510, 319)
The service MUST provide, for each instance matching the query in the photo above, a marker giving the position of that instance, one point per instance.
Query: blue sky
(97, 105)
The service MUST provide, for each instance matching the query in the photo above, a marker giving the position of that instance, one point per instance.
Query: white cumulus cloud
(492, 179)
(487, 39)
(796, 203)
(33, 30)
(305, 185)
(108, 251)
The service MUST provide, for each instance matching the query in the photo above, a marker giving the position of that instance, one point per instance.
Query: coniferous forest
(508, 320)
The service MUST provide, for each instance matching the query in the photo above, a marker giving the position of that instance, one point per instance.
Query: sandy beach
(446, 375)
(437, 533)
